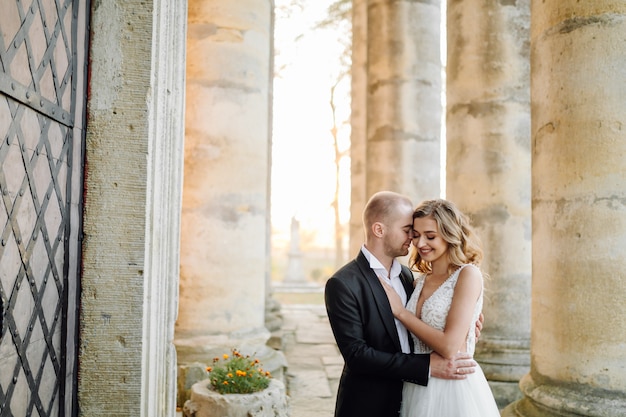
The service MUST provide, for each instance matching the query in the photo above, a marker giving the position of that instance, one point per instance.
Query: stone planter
(204, 402)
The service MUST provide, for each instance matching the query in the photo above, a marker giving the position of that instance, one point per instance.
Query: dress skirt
(470, 397)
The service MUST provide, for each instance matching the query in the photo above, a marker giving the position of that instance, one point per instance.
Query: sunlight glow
(303, 168)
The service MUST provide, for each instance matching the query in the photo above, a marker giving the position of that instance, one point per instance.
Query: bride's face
(427, 239)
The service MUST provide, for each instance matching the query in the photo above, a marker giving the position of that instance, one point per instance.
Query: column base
(505, 392)
(504, 363)
(506, 360)
(565, 401)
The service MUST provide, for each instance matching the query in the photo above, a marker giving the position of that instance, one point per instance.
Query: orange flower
(235, 373)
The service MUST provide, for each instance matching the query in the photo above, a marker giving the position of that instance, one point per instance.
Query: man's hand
(458, 367)
(479, 325)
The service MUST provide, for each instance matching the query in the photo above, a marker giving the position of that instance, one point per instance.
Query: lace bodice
(435, 309)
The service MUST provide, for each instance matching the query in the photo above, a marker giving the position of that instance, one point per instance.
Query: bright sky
(303, 157)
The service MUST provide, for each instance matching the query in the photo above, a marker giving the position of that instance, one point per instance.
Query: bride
(442, 311)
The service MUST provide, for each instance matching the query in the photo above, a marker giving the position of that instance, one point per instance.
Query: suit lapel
(407, 281)
(380, 298)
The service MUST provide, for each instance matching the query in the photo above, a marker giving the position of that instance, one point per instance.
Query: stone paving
(314, 362)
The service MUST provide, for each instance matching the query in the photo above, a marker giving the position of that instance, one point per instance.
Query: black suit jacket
(364, 328)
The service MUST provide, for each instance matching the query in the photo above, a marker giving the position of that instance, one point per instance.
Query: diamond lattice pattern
(35, 159)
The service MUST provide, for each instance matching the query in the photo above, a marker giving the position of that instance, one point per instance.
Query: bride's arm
(449, 341)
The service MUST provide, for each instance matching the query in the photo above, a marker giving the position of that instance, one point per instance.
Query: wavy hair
(464, 246)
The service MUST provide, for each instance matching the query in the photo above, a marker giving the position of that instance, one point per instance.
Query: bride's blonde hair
(464, 246)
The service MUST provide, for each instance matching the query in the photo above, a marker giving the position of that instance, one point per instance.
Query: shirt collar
(378, 267)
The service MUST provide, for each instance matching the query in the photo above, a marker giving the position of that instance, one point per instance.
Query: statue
(295, 271)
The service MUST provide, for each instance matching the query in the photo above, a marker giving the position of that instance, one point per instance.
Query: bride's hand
(394, 299)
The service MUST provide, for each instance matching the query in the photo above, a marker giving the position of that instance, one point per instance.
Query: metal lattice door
(42, 75)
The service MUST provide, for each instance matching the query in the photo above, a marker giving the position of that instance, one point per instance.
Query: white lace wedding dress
(469, 397)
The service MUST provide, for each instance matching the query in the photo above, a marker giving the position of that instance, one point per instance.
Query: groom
(377, 348)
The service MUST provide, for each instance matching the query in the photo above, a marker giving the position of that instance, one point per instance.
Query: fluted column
(488, 171)
(404, 97)
(225, 195)
(130, 232)
(579, 211)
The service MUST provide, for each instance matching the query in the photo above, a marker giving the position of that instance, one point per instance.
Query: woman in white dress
(442, 311)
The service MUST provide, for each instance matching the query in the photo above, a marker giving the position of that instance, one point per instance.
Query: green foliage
(237, 374)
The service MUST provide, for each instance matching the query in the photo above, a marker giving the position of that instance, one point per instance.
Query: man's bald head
(382, 207)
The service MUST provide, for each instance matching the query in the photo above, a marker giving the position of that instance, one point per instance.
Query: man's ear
(378, 229)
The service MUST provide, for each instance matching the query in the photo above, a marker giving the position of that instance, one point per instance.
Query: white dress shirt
(392, 278)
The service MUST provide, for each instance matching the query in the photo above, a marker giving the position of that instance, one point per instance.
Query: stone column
(358, 125)
(403, 98)
(488, 171)
(132, 189)
(225, 195)
(273, 316)
(579, 211)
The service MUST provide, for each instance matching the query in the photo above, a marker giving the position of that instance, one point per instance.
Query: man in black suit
(377, 348)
